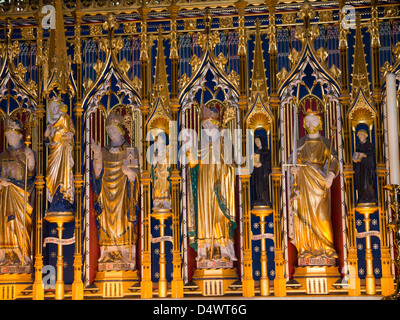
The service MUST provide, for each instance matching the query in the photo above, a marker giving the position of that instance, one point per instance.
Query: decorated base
(316, 279)
(214, 264)
(318, 261)
(16, 269)
(11, 284)
(116, 266)
(115, 284)
(214, 282)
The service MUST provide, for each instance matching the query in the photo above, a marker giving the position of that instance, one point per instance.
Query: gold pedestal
(317, 279)
(214, 282)
(262, 212)
(367, 209)
(11, 284)
(115, 284)
(161, 215)
(59, 219)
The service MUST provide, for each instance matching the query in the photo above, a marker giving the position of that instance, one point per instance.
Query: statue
(59, 176)
(160, 174)
(364, 169)
(260, 174)
(212, 185)
(17, 178)
(116, 187)
(313, 235)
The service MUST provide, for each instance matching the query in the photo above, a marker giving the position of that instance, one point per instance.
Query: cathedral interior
(190, 149)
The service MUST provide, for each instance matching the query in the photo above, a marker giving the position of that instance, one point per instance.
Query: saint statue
(260, 174)
(17, 178)
(59, 175)
(212, 189)
(364, 169)
(317, 166)
(116, 187)
(160, 174)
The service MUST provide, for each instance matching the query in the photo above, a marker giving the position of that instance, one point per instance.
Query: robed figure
(317, 166)
(17, 165)
(364, 169)
(59, 174)
(212, 194)
(160, 172)
(261, 172)
(116, 187)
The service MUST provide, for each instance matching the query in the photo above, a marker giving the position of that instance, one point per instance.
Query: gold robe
(215, 190)
(161, 183)
(313, 234)
(113, 199)
(15, 223)
(60, 160)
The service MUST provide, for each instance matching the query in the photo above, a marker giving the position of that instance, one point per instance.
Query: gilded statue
(17, 178)
(116, 187)
(313, 235)
(59, 174)
(160, 175)
(364, 169)
(212, 193)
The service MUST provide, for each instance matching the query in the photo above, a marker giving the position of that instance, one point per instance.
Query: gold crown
(211, 113)
(309, 112)
(62, 106)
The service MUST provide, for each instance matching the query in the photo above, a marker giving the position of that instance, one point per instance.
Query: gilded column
(280, 280)
(77, 285)
(146, 283)
(348, 172)
(177, 282)
(38, 289)
(387, 282)
(248, 281)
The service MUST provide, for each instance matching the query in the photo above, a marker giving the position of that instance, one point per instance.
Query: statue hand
(30, 158)
(258, 164)
(329, 179)
(4, 182)
(96, 147)
(131, 174)
(294, 170)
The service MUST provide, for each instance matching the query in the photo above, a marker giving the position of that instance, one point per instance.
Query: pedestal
(367, 209)
(262, 212)
(60, 219)
(115, 284)
(161, 215)
(214, 282)
(316, 279)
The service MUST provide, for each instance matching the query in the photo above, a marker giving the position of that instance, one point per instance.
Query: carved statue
(364, 169)
(160, 174)
(112, 181)
(212, 183)
(16, 186)
(260, 174)
(313, 236)
(59, 176)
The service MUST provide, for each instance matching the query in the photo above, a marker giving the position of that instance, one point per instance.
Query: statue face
(160, 143)
(312, 124)
(210, 129)
(362, 136)
(114, 134)
(257, 141)
(13, 138)
(54, 108)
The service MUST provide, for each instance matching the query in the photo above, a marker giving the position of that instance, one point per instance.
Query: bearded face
(312, 124)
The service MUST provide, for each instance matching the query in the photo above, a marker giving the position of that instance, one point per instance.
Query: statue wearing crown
(316, 167)
(59, 134)
(212, 189)
(116, 186)
(17, 165)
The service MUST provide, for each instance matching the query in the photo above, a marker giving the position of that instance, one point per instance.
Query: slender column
(348, 172)
(248, 281)
(177, 282)
(77, 285)
(280, 280)
(146, 283)
(387, 283)
(38, 289)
